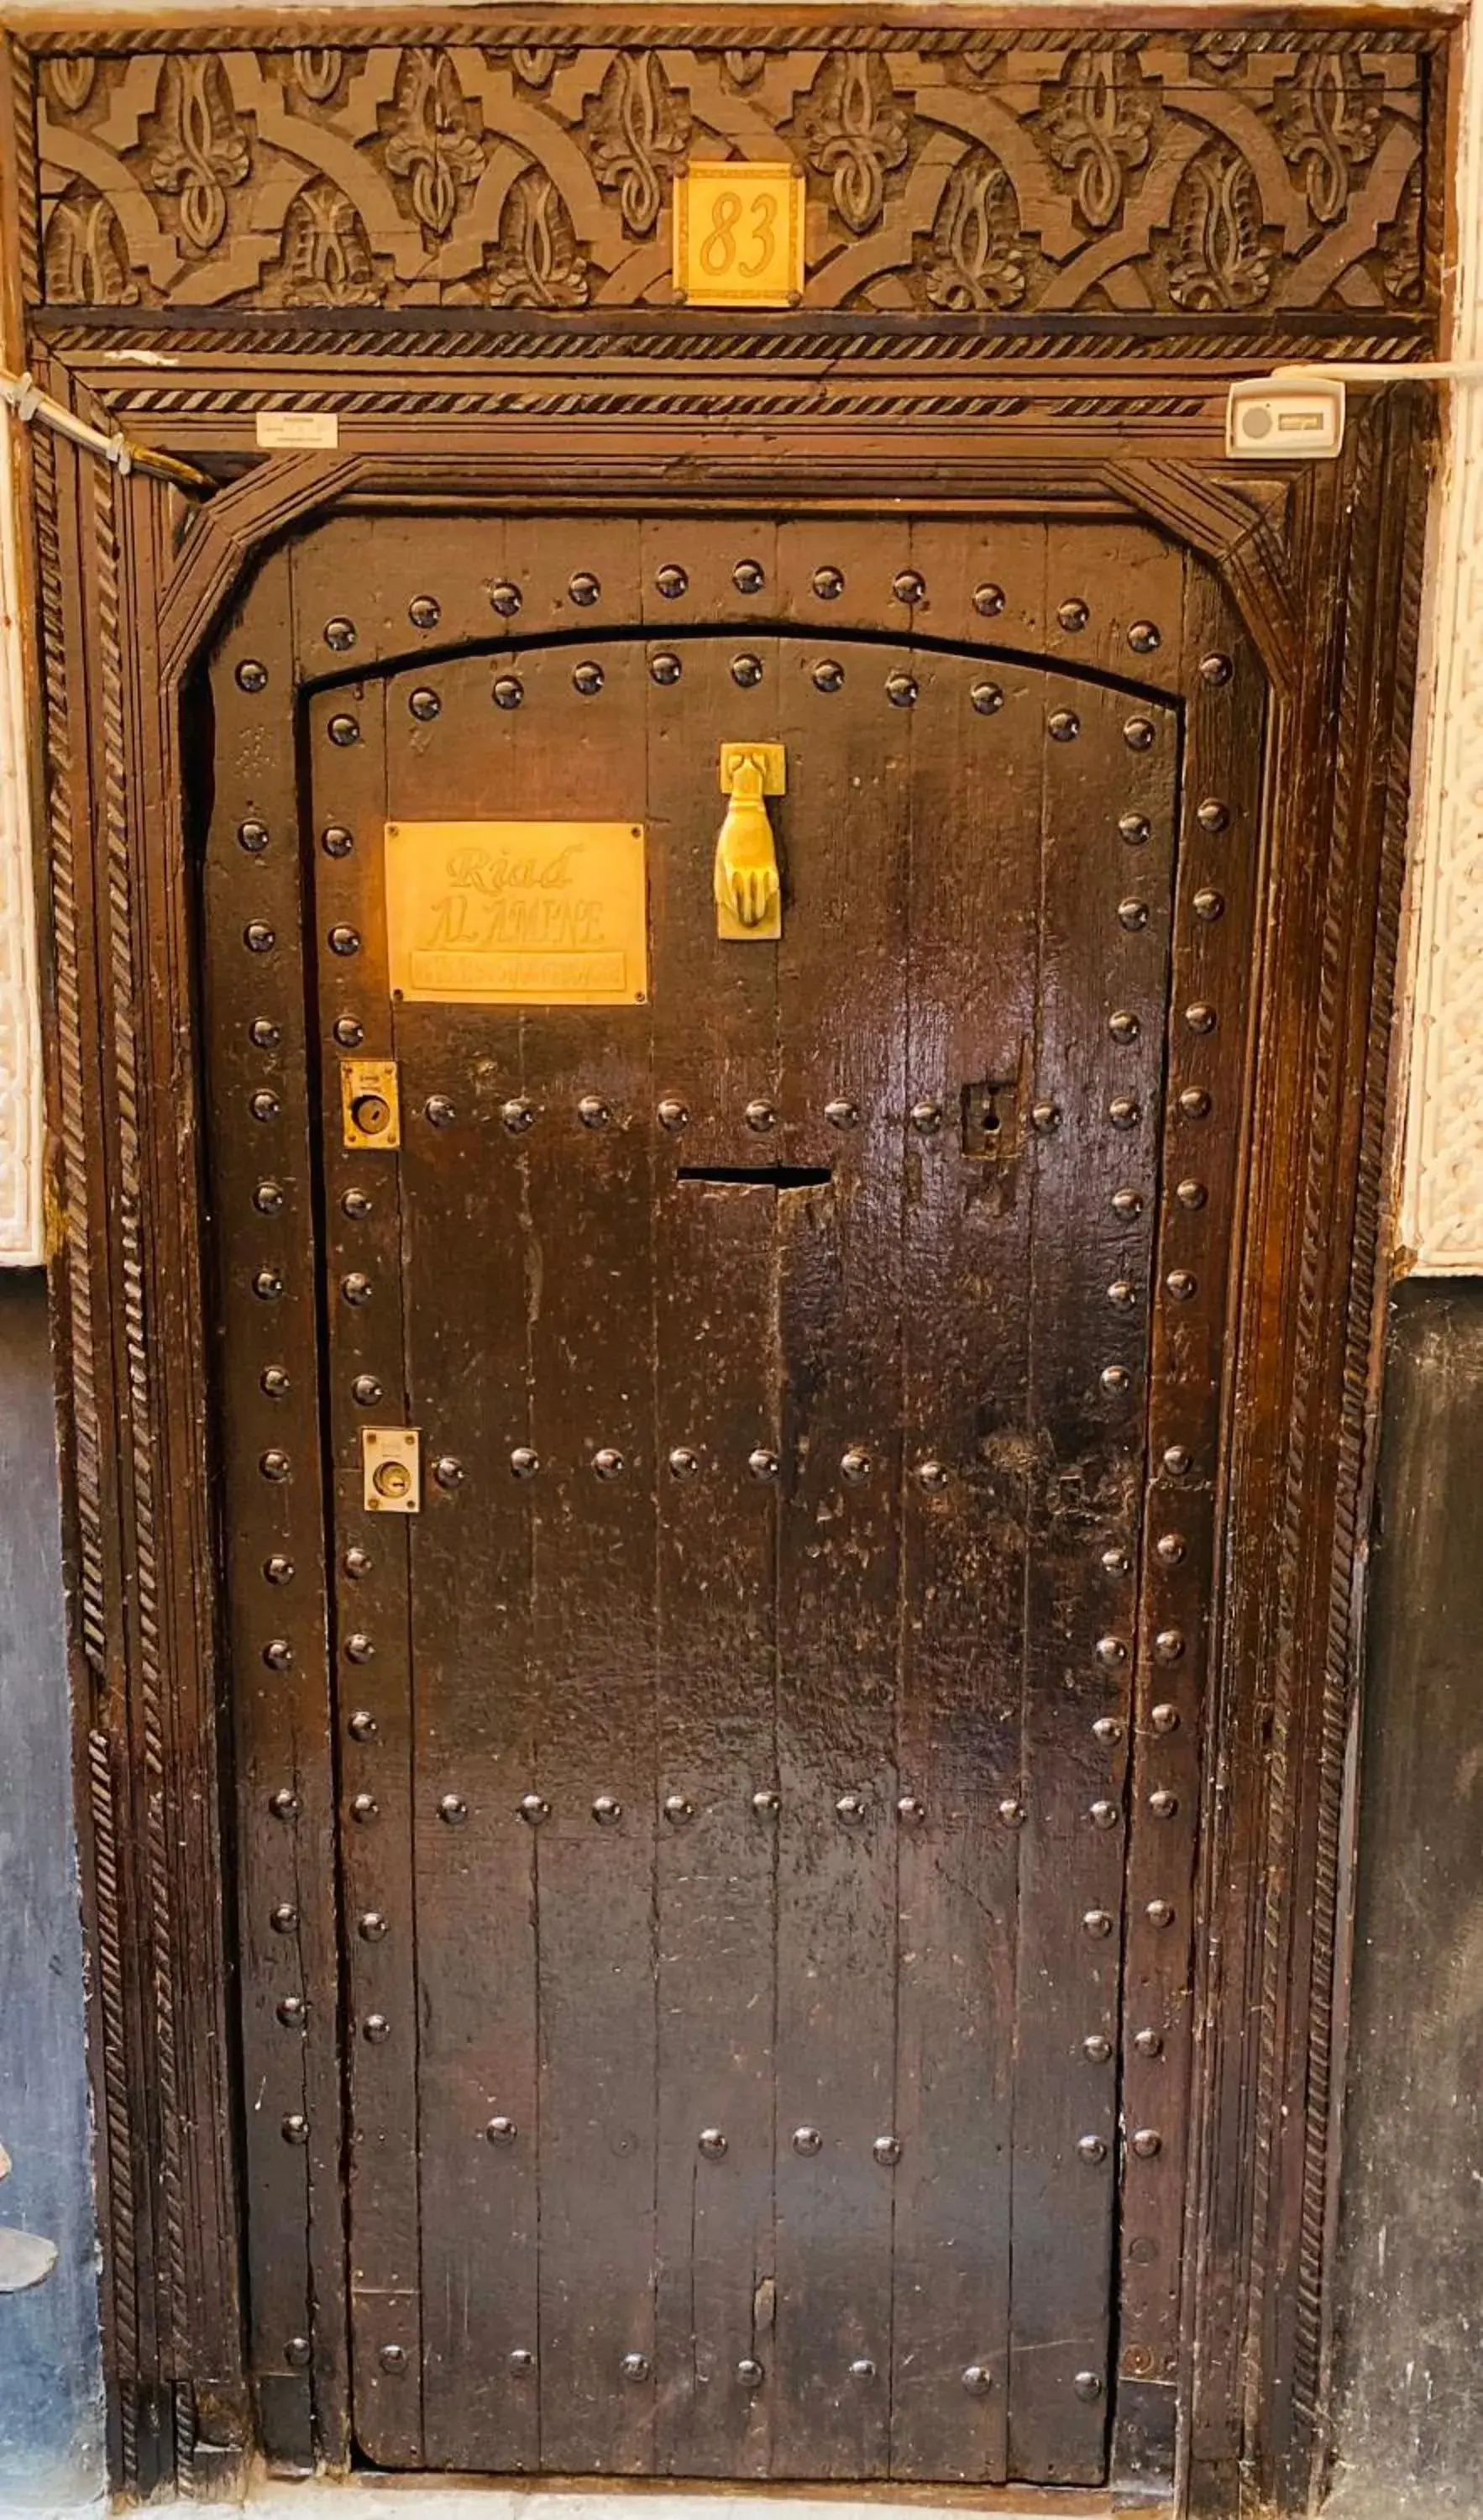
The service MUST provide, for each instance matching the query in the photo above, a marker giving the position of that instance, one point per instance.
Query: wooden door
(747, 1974)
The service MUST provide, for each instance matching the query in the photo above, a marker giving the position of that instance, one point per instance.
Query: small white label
(1269, 420)
(299, 428)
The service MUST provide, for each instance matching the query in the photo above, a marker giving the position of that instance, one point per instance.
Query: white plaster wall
(1441, 1180)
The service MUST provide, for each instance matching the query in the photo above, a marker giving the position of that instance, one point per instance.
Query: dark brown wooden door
(735, 1746)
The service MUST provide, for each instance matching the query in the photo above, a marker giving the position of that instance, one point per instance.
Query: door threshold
(364, 2497)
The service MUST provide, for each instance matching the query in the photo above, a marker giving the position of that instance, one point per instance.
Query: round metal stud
(520, 2363)
(855, 1464)
(1012, 1812)
(1137, 734)
(1123, 1025)
(284, 1919)
(525, 1461)
(1169, 1645)
(268, 1285)
(1194, 1102)
(594, 1112)
(1124, 1111)
(252, 836)
(1104, 1815)
(349, 1032)
(1142, 636)
(807, 2141)
(1116, 1560)
(748, 577)
(674, 1114)
(440, 1111)
(1045, 1118)
(606, 1810)
(746, 671)
(372, 1926)
(1091, 2147)
(365, 1808)
(587, 677)
(534, 1809)
(355, 1286)
(933, 1476)
(274, 1380)
(1181, 1285)
(1191, 1194)
(987, 699)
(1215, 670)
(761, 1116)
(1134, 828)
(505, 600)
(635, 2366)
(377, 2029)
(392, 2357)
(453, 1809)
(841, 1114)
(828, 675)
(509, 691)
(1088, 2385)
(711, 2143)
(851, 1807)
(1128, 1204)
(1200, 1018)
(1212, 814)
(664, 669)
(359, 1647)
(976, 2380)
(258, 937)
(829, 584)
(767, 1802)
(1162, 1804)
(425, 613)
(1073, 614)
(927, 1118)
(901, 690)
(678, 1810)
(276, 1466)
(1097, 1921)
(583, 588)
(609, 1463)
(356, 1203)
(278, 1655)
(1169, 1549)
(357, 1562)
(297, 2352)
(671, 581)
(283, 1805)
(862, 2369)
(366, 1390)
(912, 1810)
(1097, 2049)
(344, 940)
(1132, 914)
(517, 1114)
(1149, 2042)
(501, 2130)
(263, 1033)
(361, 1726)
(295, 2127)
(1147, 2143)
(424, 705)
(1179, 1460)
(343, 729)
(908, 586)
(887, 2151)
(989, 600)
(1108, 1731)
(1064, 726)
(750, 2372)
(252, 676)
(1122, 1294)
(1159, 1913)
(1164, 1717)
(264, 1106)
(1208, 904)
(1111, 1652)
(683, 1463)
(762, 1463)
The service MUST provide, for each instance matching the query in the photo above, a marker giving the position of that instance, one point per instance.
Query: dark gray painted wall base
(51, 2408)
(1409, 2340)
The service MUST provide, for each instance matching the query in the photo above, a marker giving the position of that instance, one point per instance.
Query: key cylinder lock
(391, 1470)
(370, 1102)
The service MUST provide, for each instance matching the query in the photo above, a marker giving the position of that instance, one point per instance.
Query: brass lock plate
(370, 1104)
(391, 1470)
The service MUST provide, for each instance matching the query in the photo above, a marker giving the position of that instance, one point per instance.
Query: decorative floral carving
(1328, 124)
(1400, 255)
(535, 260)
(327, 258)
(317, 69)
(852, 129)
(743, 67)
(1223, 266)
(1221, 48)
(978, 260)
(86, 259)
(69, 81)
(201, 150)
(431, 139)
(1098, 129)
(536, 64)
(638, 130)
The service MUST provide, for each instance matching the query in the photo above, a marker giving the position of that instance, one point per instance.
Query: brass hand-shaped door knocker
(748, 891)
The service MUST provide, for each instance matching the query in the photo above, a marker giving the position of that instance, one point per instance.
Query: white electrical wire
(1374, 372)
(26, 399)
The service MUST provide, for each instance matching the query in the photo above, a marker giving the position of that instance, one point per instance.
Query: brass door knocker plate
(748, 887)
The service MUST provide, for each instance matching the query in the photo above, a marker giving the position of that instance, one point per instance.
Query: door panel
(726, 1866)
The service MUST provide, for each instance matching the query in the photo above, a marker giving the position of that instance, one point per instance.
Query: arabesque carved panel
(1231, 173)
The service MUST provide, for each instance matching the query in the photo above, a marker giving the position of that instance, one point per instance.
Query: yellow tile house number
(739, 234)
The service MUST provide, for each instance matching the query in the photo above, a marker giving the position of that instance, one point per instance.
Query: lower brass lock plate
(391, 1470)
(370, 1104)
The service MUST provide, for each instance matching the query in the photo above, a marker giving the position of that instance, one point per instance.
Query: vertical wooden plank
(843, 993)
(977, 734)
(716, 1432)
(1104, 944)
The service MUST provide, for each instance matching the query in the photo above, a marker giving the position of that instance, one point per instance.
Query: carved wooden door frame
(1323, 565)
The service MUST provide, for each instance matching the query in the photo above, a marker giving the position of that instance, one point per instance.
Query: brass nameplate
(517, 914)
(739, 234)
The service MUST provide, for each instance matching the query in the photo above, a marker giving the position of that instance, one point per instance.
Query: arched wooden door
(750, 1739)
